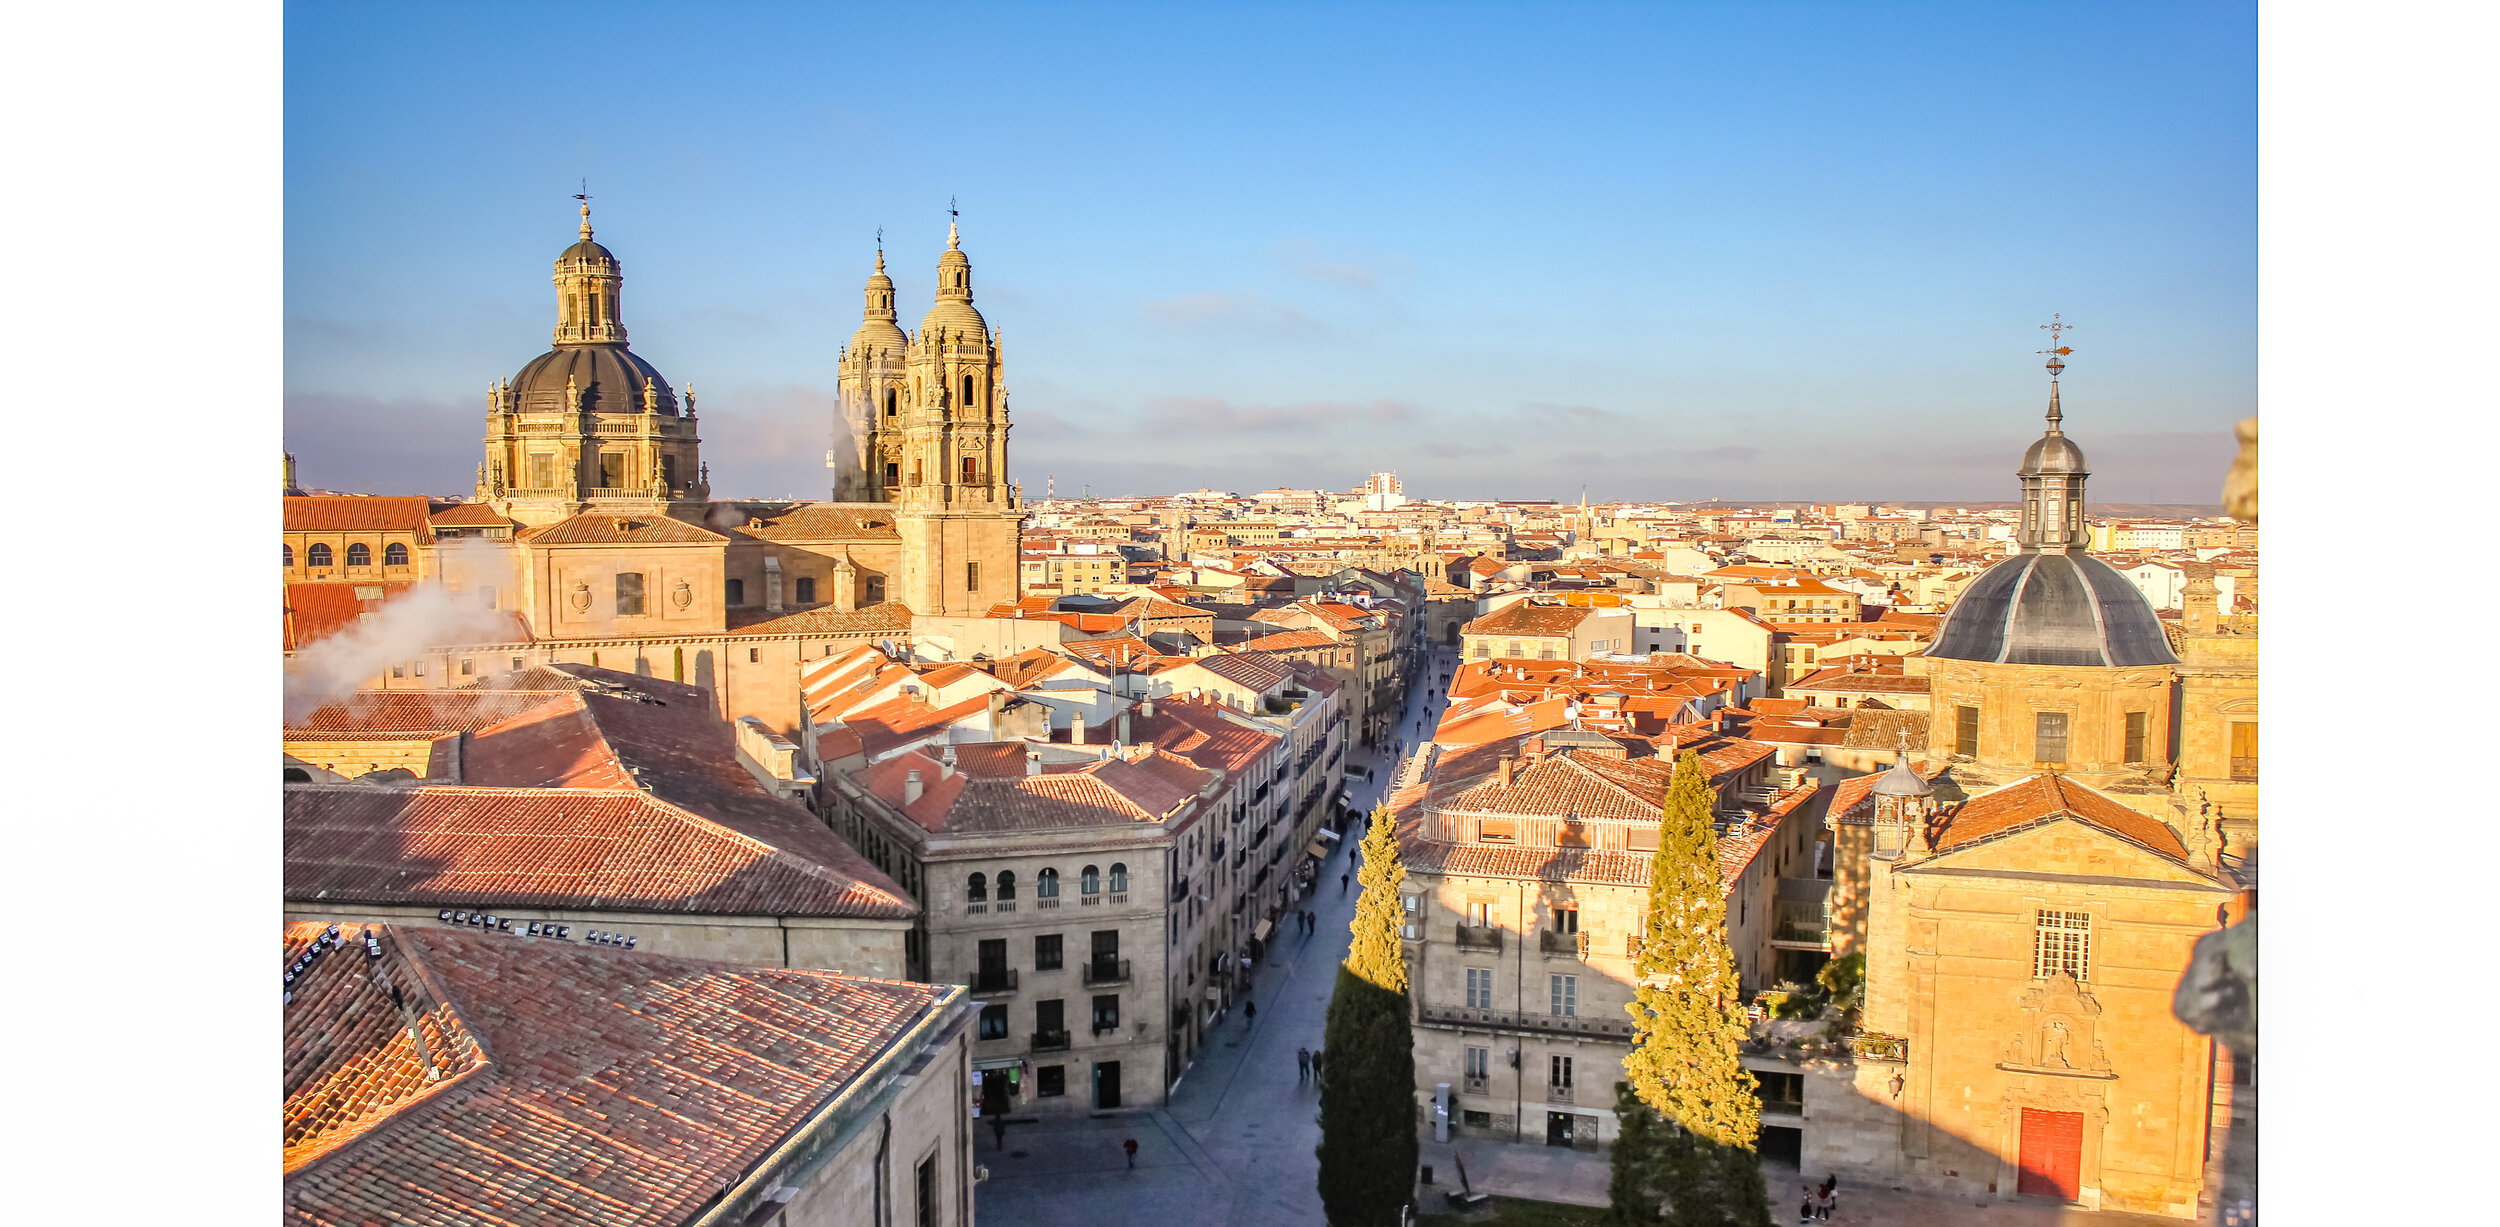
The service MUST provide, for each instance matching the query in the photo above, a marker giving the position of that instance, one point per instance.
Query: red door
(2052, 1155)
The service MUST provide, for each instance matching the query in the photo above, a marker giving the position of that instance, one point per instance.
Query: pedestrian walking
(1343, 880)
(1315, 1056)
(1249, 1011)
(1805, 1207)
(1830, 1200)
(1131, 1147)
(998, 1129)
(1302, 1065)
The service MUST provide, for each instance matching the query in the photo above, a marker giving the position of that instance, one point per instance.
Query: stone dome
(2053, 454)
(587, 251)
(1901, 781)
(611, 378)
(957, 317)
(2053, 609)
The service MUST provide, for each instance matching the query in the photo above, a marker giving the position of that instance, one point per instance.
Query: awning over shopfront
(1330, 836)
(1265, 927)
(1214, 997)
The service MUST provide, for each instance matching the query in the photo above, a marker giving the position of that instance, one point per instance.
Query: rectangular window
(1566, 996)
(612, 470)
(1050, 1081)
(1558, 1073)
(1479, 1063)
(924, 1193)
(993, 1022)
(2135, 736)
(1106, 1013)
(1475, 1120)
(972, 577)
(2049, 736)
(736, 592)
(542, 470)
(1496, 831)
(1966, 731)
(399, 670)
(2062, 943)
(628, 592)
(1050, 1017)
(668, 471)
(1480, 914)
(2243, 749)
(755, 656)
(1567, 918)
(1046, 954)
(1641, 839)
(417, 667)
(1480, 988)
(468, 666)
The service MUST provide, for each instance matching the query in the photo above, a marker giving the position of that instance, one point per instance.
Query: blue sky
(1662, 251)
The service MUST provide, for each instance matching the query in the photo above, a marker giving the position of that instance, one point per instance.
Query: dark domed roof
(2053, 609)
(587, 250)
(2054, 453)
(611, 378)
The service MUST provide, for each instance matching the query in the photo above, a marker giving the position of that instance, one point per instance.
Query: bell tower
(867, 457)
(960, 520)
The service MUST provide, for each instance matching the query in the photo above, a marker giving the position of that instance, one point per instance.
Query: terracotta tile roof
(1155, 607)
(2042, 798)
(1198, 731)
(1842, 681)
(819, 521)
(396, 714)
(1872, 728)
(1528, 618)
(1254, 670)
(580, 1085)
(1564, 784)
(316, 513)
(1288, 641)
(310, 612)
(609, 849)
(886, 618)
(1113, 792)
(610, 528)
(907, 718)
(468, 515)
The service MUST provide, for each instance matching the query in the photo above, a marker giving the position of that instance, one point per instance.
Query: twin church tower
(591, 429)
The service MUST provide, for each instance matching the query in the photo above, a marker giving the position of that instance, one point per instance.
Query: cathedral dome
(587, 251)
(958, 318)
(2053, 609)
(877, 329)
(611, 379)
(954, 312)
(2054, 454)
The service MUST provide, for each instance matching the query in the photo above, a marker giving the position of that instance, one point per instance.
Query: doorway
(1106, 1084)
(2052, 1154)
(1782, 1144)
(1558, 1128)
(993, 1093)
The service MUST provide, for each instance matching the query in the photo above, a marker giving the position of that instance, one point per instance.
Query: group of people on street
(1819, 1203)
(1306, 1062)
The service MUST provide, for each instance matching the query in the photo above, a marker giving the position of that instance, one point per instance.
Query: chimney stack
(911, 787)
(1124, 732)
(1150, 707)
(1032, 762)
(1076, 727)
(1503, 772)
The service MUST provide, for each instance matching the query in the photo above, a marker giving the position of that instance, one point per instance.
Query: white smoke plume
(424, 618)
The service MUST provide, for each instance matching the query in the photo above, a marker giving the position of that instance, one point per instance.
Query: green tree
(1636, 1185)
(1689, 1023)
(1367, 1147)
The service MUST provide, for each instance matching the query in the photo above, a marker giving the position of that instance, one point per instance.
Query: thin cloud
(1247, 311)
(1215, 415)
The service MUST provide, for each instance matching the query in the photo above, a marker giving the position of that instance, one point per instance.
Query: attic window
(1496, 831)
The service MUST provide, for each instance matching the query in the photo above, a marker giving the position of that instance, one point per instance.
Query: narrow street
(1235, 1145)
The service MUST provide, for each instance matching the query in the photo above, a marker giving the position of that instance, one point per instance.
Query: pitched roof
(570, 1085)
(891, 617)
(2043, 797)
(317, 513)
(611, 528)
(816, 521)
(1529, 618)
(1251, 669)
(468, 515)
(312, 612)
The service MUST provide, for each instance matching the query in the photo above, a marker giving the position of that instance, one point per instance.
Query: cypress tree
(1634, 1188)
(1367, 1148)
(1689, 1021)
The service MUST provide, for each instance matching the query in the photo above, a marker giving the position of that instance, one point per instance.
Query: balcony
(1801, 914)
(1613, 1025)
(1472, 937)
(1558, 1094)
(1050, 1041)
(1566, 945)
(993, 983)
(1106, 971)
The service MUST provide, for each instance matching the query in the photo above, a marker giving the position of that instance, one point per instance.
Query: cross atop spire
(584, 197)
(953, 239)
(2057, 327)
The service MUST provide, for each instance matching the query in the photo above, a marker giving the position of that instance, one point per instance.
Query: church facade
(593, 523)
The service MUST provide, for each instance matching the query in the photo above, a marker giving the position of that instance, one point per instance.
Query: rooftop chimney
(1535, 749)
(1150, 707)
(911, 787)
(1123, 738)
(1032, 762)
(1076, 727)
(1501, 773)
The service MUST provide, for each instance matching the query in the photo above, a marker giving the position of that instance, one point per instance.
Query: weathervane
(2057, 327)
(950, 209)
(584, 197)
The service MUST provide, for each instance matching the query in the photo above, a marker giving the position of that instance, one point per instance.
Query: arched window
(1006, 885)
(889, 402)
(297, 775)
(360, 555)
(318, 555)
(967, 391)
(1089, 881)
(394, 555)
(1046, 884)
(977, 889)
(1119, 877)
(290, 554)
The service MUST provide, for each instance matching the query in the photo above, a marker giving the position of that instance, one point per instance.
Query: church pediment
(2062, 844)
